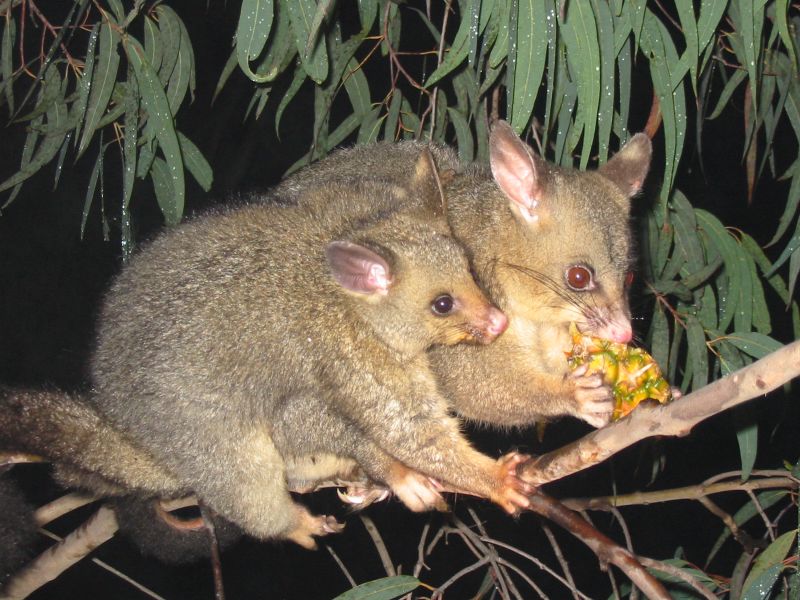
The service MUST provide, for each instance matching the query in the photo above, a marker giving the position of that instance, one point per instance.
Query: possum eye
(442, 305)
(579, 278)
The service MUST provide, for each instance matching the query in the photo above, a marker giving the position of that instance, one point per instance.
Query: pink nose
(498, 322)
(621, 333)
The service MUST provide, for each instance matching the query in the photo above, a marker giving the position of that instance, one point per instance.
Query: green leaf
(746, 426)
(367, 11)
(131, 140)
(50, 93)
(687, 239)
(753, 343)
(690, 36)
(281, 49)
(499, 51)
(165, 196)
(196, 163)
(391, 124)
(85, 82)
(370, 128)
(103, 80)
(659, 336)
(528, 54)
(381, 589)
(152, 42)
(605, 113)
(465, 143)
(457, 53)
(255, 22)
(294, 87)
(767, 567)
(301, 14)
(752, 22)
(158, 114)
(324, 9)
(583, 53)
(781, 11)
(721, 241)
(765, 500)
(45, 151)
(725, 96)
(657, 44)
(6, 62)
(92, 187)
(357, 88)
(711, 12)
(227, 71)
(183, 72)
(697, 352)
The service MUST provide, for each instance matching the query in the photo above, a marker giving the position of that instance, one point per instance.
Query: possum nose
(496, 323)
(619, 332)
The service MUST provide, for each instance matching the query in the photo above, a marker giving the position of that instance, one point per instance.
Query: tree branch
(674, 419)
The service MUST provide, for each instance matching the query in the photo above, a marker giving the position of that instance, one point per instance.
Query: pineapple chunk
(631, 372)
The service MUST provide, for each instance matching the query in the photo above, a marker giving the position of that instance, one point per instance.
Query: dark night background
(51, 282)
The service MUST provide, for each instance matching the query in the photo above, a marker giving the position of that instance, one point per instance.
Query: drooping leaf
(252, 31)
(103, 80)
(159, 115)
(315, 63)
(6, 62)
(579, 30)
(657, 44)
(381, 589)
(528, 52)
(767, 567)
(196, 163)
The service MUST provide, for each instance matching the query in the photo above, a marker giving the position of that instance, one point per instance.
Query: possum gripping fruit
(631, 372)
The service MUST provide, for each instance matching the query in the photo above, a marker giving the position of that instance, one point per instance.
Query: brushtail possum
(549, 245)
(262, 344)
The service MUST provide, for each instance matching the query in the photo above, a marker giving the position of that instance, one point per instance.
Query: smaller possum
(262, 344)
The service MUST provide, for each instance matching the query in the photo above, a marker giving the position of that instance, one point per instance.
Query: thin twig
(561, 560)
(380, 546)
(421, 550)
(100, 527)
(59, 507)
(535, 561)
(342, 566)
(438, 592)
(692, 492)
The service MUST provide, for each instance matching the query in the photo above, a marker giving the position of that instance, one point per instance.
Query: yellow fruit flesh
(631, 372)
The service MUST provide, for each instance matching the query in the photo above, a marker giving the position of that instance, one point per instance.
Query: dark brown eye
(629, 279)
(442, 305)
(579, 278)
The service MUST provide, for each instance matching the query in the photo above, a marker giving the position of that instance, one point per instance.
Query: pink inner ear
(514, 170)
(357, 268)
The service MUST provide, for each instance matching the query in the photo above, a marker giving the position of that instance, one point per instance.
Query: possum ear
(628, 167)
(427, 184)
(520, 174)
(358, 269)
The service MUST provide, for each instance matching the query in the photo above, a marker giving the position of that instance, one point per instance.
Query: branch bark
(674, 419)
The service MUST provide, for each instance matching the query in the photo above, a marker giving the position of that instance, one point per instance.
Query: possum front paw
(512, 494)
(594, 399)
(310, 526)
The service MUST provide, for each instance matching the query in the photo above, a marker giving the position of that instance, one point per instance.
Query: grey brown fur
(238, 351)
(524, 223)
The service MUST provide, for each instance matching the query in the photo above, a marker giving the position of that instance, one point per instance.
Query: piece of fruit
(630, 372)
